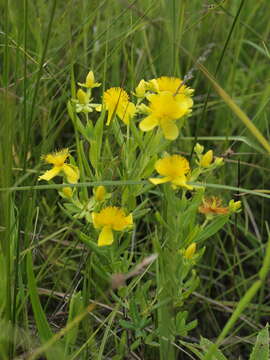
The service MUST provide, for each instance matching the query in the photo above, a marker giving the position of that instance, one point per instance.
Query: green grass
(56, 300)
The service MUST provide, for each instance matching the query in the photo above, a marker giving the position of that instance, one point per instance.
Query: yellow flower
(164, 109)
(174, 86)
(110, 218)
(206, 159)
(99, 193)
(58, 159)
(117, 102)
(190, 251)
(212, 206)
(90, 81)
(174, 168)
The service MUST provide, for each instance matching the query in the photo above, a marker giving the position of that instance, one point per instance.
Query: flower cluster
(108, 219)
(167, 99)
(161, 103)
(83, 101)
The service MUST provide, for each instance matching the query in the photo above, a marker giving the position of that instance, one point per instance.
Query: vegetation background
(44, 47)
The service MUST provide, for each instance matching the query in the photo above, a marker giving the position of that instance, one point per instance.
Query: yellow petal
(172, 166)
(72, 173)
(170, 84)
(49, 174)
(183, 99)
(125, 112)
(57, 158)
(106, 236)
(170, 129)
(148, 123)
(182, 181)
(109, 118)
(162, 180)
(123, 223)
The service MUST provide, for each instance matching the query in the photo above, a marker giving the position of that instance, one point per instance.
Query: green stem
(167, 284)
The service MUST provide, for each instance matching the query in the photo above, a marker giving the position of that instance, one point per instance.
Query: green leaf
(75, 308)
(126, 324)
(136, 344)
(261, 348)
(217, 354)
(182, 328)
(212, 228)
(43, 326)
(96, 143)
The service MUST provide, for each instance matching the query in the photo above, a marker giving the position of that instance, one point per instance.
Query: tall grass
(54, 297)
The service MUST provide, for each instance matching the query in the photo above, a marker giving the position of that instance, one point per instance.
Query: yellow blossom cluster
(167, 100)
(83, 101)
(161, 102)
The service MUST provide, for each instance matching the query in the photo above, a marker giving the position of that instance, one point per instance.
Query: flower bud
(143, 109)
(198, 149)
(153, 85)
(82, 97)
(141, 88)
(219, 161)
(90, 80)
(99, 193)
(66, 192)
(190, 251)
(206, 159)
(234, 206)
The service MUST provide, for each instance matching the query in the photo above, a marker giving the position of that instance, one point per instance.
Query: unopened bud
(82, 97)
(206, 159)
(153, 85)
(141, 88)
(99, 193)
(198, 149)
(219, 161)
(67, 192)
(90, 79)
(234, 206)
(190, 251)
